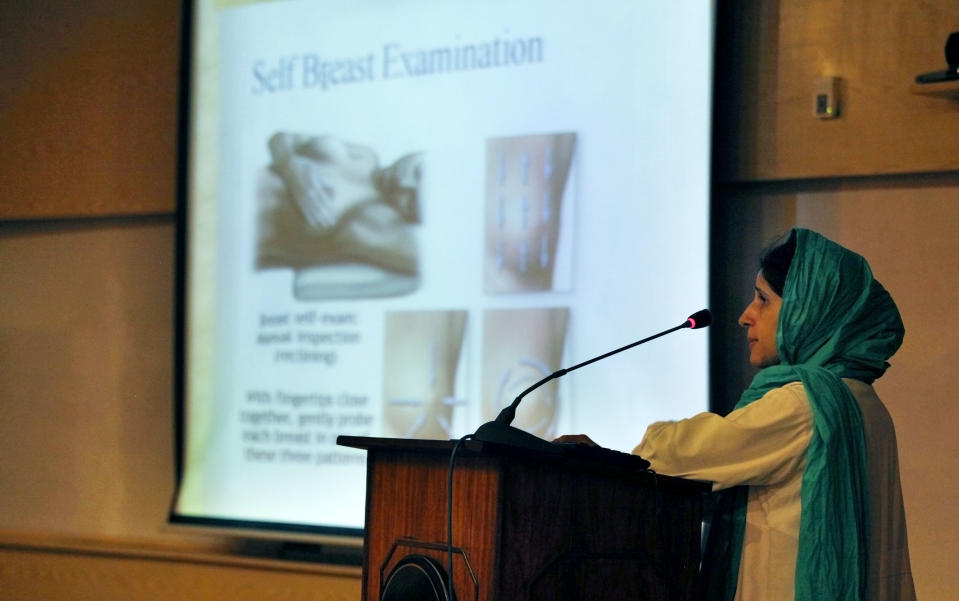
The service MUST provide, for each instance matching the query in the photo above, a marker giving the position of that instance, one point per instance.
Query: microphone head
(700, 319)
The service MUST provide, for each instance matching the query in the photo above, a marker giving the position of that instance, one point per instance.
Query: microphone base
(498, 433)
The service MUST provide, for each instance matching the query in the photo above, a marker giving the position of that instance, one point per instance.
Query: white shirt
(763, 445)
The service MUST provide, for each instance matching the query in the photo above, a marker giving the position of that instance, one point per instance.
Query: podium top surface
(598, 458)
(398, 444)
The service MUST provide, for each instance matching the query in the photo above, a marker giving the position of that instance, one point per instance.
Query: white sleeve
(761, 444)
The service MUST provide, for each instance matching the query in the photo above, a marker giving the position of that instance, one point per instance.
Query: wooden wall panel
(89, 114)
(44, 570)
(88, 109)
(770, 54)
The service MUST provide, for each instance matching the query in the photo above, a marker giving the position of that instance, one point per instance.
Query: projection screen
(398, 215)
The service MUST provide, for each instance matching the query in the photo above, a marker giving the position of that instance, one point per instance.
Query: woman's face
(761, 320)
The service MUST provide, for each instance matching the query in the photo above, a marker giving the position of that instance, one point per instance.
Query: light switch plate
(826, 97)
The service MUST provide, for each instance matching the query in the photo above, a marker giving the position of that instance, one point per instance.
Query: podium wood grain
(529, 525)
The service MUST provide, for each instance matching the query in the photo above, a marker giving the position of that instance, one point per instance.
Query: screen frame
(341, 537)
(334, 535)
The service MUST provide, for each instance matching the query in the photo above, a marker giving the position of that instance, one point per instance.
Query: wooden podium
(530, 525)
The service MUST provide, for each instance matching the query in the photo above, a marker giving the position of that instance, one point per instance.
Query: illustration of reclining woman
(345, 224)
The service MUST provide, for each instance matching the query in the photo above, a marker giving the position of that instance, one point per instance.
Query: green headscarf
(836, 321)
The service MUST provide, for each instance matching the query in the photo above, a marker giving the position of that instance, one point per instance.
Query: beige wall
(906, 228)
(86, 336)
(909, 236)
(86, 427)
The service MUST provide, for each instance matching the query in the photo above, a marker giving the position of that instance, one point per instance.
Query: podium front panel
(528, 525)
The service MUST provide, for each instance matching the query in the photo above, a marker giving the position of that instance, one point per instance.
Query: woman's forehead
(763, 285)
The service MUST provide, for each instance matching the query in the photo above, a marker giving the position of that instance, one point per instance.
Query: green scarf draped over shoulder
(836, 321)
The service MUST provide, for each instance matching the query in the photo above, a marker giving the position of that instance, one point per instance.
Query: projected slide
(400, 215)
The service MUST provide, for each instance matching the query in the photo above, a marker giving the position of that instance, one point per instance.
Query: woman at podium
(811, 505)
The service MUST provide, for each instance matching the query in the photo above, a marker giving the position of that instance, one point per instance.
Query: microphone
(699, 319)
(500, 431)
